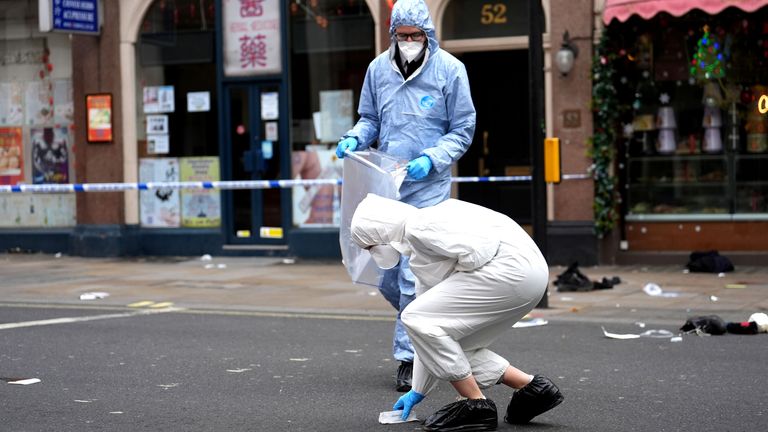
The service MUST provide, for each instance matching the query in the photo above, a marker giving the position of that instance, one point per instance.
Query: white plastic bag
(365, 172)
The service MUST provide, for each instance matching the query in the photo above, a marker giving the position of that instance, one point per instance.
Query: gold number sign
(493, 14)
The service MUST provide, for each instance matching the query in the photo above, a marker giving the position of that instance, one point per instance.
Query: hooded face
(410, 41)
(413, 13)
(378, 225)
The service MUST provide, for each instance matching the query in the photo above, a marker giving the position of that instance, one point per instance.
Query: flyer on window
(38, 99)
(159, 99)
(50, 154)
(11, 156)
(11, 104)
(159, 208)
(200, 208)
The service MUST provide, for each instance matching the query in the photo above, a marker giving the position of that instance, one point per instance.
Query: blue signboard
(76, 16)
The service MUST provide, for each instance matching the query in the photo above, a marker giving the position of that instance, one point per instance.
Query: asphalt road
(228, 371)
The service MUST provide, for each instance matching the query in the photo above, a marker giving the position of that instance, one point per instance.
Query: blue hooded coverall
(431, 113)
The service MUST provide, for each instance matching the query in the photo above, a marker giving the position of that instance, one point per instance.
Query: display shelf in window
(751, 185)
(678, 185)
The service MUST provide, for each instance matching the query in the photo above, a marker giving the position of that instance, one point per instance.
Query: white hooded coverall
(477, 274)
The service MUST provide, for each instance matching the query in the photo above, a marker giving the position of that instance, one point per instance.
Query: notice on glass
(200, 208)
(50, 154)
(270, 109)
(198, 101)
(159, 99)
(63, 106)
(11, 104)
(39, 103)
(158, 144)
(159, 208)
(157, 124)
(270, 131)
(337, 114)
(11, 156)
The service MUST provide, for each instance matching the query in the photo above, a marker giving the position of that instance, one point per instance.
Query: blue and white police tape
(227, 185)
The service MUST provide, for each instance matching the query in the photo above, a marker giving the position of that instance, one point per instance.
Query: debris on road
(757, 323)
(21, 381)
(93, 295)
(710, 324)
(655, 290)
(574, 280)
(394, 417)
(534, 322)
(647, 333)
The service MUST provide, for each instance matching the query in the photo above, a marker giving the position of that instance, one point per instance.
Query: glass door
(253, 152)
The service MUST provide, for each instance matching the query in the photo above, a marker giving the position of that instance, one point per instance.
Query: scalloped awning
(623, 9)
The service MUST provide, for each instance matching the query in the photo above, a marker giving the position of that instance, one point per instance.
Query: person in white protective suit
(477, 273)
(416, 103)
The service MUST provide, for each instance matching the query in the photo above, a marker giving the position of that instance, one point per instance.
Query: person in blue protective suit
(416, 103)
(477, 273)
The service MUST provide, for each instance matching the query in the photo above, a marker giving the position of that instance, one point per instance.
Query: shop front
(36, 126)
(692, 156)
(244, 90)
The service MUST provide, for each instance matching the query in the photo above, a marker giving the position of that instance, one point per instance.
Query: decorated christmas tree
(708, 62)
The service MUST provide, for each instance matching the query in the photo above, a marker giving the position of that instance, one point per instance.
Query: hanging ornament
(707, 62)
(664, 98)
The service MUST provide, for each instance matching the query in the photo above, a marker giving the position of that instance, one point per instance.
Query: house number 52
(493, 14)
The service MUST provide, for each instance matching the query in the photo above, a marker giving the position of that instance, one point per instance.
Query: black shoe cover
(539, 396)
(464, 415)
(404, 373)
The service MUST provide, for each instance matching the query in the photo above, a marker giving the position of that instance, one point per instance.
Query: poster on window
(50, 154)
(200, 208)
(159, 208)
(11, 104)
(252, 37)
(319, 205)
(159, 99)
(11, 156)
(37, 210)
(38, 99)
(63, 106)
(337, 114)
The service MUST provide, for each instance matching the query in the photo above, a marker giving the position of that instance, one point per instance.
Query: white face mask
(410, 50)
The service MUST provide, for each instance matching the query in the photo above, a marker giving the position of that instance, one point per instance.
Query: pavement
(291, 286)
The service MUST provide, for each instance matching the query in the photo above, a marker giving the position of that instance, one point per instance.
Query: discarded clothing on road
(709, 262)
(574, 280)
(757, 323)
(710, 324)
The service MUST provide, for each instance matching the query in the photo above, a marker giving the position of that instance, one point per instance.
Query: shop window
(332, 43)
(176, 90)
(696, 141)
(471, 19)
(177, 117)
(36, 119)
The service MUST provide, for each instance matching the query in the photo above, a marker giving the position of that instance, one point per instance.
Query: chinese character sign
(252, 37)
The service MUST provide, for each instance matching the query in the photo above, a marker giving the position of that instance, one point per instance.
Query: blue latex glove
(349, 143)
(407, 402)
(419, 167)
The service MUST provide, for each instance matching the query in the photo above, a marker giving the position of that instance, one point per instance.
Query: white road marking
(70, 320)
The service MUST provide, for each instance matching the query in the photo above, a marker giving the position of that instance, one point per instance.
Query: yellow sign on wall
(762, 104)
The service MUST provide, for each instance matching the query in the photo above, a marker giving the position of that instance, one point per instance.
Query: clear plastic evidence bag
(365, 172)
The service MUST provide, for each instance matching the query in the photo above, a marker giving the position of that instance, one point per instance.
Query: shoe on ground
(464, 415)
(539, 396)
(404, 375)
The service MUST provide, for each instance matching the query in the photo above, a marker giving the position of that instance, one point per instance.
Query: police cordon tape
(229, 185)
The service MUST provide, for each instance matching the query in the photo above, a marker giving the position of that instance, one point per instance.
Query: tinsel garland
(605, 111)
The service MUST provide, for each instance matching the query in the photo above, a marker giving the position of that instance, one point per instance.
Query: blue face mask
(410, 50)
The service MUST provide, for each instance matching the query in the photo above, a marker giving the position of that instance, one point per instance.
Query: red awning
(623, 9)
